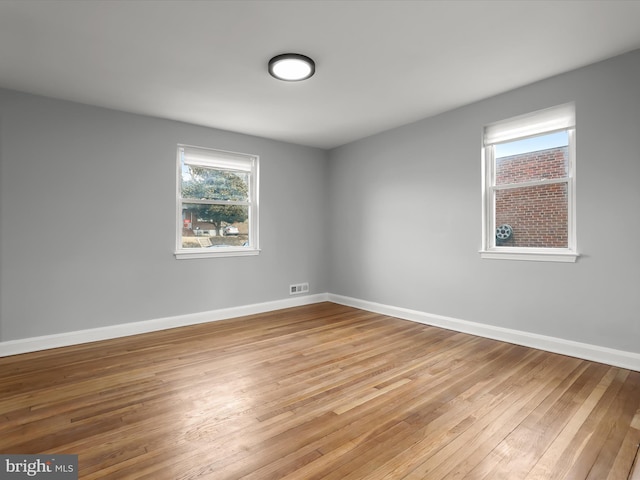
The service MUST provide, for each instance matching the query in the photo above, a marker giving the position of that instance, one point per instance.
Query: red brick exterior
(538, 215)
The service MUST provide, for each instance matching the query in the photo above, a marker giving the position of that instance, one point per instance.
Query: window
(529, 187)
(217, 203)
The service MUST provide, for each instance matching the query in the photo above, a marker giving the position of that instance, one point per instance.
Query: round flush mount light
(291, 67)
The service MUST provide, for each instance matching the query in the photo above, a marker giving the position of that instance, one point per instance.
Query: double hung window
(529, 187)
(217, 203)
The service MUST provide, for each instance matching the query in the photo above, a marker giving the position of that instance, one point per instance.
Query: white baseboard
(609, 356)
(15, 347)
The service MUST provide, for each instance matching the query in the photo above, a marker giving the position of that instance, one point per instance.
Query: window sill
(213, 253)
(532, 255)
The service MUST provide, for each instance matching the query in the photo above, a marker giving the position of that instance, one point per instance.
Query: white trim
(215, 252)
(15, 347)
(532, 256)
(571, 194)
(595, 353)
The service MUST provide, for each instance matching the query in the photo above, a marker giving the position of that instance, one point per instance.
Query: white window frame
(229, 161)
(554, 119)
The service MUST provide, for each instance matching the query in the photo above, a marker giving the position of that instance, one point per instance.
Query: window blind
(551, 119)
(217, 159)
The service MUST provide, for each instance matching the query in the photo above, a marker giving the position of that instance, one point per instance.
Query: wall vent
(298, 288)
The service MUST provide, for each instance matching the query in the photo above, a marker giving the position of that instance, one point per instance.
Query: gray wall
(87, 218)
(88, 212)
(409, 203)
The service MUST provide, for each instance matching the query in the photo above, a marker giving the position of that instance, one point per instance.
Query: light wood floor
(320, 392)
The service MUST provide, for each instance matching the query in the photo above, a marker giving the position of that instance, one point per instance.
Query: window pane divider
(532, 183)
(198, 201)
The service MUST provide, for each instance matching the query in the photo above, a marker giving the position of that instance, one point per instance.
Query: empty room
(320, 239)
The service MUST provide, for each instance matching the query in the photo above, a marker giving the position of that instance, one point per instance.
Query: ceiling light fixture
(291, 67)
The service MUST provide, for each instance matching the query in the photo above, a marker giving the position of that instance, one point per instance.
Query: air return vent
(298, 288)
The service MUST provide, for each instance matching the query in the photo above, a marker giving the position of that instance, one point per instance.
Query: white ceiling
(380, 64)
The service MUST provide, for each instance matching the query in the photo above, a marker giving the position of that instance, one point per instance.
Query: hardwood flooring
(320, 392)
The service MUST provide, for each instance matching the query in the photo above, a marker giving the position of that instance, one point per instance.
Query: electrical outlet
(298, 288)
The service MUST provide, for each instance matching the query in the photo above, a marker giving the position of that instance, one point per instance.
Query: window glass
(200, 182)
(221, 225)
(536, 215)
(538, 158)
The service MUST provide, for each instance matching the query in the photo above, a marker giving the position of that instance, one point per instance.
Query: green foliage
(210, 184)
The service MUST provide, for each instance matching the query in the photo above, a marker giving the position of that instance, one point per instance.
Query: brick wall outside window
(538, 214)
